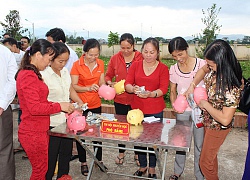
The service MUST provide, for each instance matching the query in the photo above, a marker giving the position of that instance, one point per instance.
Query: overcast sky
(142, 18)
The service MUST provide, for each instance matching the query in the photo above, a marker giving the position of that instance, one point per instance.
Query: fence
(241, 51)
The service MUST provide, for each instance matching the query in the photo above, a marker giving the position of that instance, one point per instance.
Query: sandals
(153, 176)
(84, 170)
(119, 161)
(73, 157)
(174, 177)
(140, 173)
(137, 160)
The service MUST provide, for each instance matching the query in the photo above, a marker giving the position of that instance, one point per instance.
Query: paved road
(231, 160)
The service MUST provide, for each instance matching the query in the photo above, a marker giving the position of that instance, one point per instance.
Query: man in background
(14, 47)
(8, 69)
(57, 34)
(25, 43)
(6, 35)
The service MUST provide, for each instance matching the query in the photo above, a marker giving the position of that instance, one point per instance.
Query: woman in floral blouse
(223, 79)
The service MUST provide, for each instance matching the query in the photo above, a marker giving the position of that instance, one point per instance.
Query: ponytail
(41, 45)
(25, 65)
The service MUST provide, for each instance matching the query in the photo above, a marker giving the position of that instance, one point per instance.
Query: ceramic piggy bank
(75, 121)
(199, 94)
(135, 117)
(180, 103)
(119, 87)
(106, 92)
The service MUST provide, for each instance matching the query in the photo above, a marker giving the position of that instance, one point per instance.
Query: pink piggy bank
(106, 92)
(180, 103)
(199, 94)
(75, 121)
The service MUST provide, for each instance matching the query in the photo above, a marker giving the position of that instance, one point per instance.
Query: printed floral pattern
(229, 99)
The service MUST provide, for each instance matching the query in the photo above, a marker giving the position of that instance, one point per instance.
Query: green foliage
(245, 68)
(113, 38)
(106, 61)
(78, 52)
(211, 30)
(138, 39)
(72, 39)
(12, 25)
(211, 23)
(162, 40)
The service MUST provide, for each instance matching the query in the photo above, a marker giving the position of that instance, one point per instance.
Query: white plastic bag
(197, 117)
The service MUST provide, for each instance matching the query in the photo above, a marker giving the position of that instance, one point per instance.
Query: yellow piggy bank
(119, 87)
(135, 117)
(135, 131)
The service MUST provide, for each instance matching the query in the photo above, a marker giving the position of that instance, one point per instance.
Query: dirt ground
(231, 160)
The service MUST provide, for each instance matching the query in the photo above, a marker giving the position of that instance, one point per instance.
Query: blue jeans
(142, 156)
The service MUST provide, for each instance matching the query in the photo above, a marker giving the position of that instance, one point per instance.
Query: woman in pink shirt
(154, 76)
(181, 75)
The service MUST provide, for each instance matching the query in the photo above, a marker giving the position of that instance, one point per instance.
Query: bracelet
(193, 84)
(155, 94)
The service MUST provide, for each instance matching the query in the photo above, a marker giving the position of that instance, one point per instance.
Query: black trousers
(80, 149)
(59, 148)
(123, 109)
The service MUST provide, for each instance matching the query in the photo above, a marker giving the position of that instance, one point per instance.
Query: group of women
(45, 94)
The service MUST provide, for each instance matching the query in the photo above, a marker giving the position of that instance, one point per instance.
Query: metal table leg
(165, 164)
(93, 156)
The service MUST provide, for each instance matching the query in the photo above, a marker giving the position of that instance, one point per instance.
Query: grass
(244, 65)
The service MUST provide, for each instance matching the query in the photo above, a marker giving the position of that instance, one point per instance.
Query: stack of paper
(106, 116)
(151, 119)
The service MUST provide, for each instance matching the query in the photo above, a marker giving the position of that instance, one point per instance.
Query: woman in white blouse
(58, 80)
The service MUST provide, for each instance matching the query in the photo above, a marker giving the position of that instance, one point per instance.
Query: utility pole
(33, 30)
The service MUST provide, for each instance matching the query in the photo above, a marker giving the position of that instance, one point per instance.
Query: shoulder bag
(244, 104)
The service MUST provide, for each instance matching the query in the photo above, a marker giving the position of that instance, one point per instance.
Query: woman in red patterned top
(154, 76)
(36, 109)
(223, 79)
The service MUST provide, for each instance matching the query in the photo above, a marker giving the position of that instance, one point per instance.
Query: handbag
(244, 104)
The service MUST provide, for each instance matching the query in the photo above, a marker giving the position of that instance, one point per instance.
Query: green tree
(12, 25)
(160, 39)
(72, 39)
(138, 39)
(211, 30)
(79, 52)
(113, 38)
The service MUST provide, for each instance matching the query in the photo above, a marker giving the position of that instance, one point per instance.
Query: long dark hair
(41, 45)
(228, 73)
